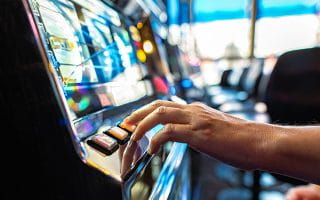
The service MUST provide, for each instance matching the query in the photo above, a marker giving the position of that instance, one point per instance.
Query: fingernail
(134, 137)
(127, 120)
(130, 143)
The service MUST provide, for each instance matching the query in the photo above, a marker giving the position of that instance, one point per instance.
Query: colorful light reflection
(81, 105)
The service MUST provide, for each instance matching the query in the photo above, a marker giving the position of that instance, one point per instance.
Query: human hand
(205, 129)
(307, 192)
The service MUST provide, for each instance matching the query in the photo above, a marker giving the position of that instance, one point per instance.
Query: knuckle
(168, 129)
(194, 127)
(197, 105)
(168, 132)
(161, 110)
(189, 113)
(156, 103)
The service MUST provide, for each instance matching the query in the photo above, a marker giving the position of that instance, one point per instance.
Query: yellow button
(118, 133)
(126, 126)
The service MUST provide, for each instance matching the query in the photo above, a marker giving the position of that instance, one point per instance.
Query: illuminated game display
(90, 49)
(93, 60)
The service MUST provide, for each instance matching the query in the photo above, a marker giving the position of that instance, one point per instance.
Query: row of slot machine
(71, 71)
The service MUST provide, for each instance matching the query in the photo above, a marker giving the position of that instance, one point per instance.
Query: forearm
(292, 151)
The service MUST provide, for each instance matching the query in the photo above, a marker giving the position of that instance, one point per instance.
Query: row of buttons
(108, 141)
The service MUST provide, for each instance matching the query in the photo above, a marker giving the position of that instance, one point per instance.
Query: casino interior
(73, 70)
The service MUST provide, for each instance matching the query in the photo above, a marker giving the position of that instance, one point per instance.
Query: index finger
(162, 115)
(141, 113)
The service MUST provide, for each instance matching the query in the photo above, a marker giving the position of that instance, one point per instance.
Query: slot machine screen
(92, 61)
(90, 49)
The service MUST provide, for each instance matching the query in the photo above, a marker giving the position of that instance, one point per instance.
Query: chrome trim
(135, 173)
(169, 172)
(167, 176)
(55, 82)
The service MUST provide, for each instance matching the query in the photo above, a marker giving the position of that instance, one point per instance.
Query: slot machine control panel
(91, 58)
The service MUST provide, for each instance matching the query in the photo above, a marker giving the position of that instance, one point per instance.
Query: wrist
(275, 149)
(255, 143)
(264, 146)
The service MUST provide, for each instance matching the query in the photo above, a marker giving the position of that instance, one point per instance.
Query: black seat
(229, 82)
(293, 92)
(247, 86)
(220, 95)
(256, 89)
(224, 78)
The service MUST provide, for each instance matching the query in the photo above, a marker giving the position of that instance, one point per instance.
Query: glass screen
(88, 45)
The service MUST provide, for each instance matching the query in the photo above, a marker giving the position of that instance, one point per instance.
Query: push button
(128, 127)
(122, 136)
(103, 143)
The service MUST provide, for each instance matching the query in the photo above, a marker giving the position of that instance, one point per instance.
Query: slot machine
(181, 71)
(69, 77)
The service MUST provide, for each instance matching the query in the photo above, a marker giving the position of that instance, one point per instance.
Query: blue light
(276, 8)
(173, 90)
(186, 83)
(208, 10)
(173, 10)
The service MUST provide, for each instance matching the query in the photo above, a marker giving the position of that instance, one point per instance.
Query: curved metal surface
(167, 177)
(169, 172)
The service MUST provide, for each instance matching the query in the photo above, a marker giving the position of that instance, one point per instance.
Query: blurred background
(230, 50)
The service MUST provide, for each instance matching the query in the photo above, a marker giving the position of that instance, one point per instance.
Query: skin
(308, 192)
(289, 150)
